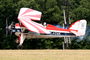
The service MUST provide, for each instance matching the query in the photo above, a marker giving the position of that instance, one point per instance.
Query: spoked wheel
(20, 46)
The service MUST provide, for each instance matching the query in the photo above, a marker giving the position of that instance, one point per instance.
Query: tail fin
(78, 27)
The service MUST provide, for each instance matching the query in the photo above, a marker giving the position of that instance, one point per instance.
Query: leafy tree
(52, 12)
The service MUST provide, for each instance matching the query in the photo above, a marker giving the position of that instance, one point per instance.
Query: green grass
(44, 54)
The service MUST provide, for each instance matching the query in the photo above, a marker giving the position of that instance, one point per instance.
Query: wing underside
(26, 16)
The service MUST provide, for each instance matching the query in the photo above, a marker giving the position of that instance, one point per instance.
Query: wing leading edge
(26, 16)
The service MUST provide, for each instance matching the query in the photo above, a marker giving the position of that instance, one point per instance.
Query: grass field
(44, 54)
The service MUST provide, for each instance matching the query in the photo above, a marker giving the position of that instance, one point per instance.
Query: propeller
(6, 27)
(10, 27)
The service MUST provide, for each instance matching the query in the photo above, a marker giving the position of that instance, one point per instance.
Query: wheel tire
(20, 46)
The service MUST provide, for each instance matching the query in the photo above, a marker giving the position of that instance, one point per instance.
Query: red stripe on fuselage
(18, 25)
(51, 27)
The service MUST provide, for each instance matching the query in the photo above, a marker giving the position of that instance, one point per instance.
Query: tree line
(52, 13)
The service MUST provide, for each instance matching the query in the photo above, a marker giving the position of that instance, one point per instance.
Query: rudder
(78, 27)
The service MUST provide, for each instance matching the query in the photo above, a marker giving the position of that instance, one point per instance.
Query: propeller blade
(6, 27)
(6, 32)
(6, 23)
(10, 27)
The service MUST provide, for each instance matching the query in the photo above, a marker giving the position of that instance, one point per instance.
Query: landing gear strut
(20, 40)
(19, 46)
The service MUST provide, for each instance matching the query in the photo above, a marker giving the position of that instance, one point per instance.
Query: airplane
(27, 28)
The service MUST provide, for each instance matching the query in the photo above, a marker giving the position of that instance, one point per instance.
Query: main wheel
(20, 46)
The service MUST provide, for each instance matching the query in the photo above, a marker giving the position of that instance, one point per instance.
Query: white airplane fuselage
(32, 35)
